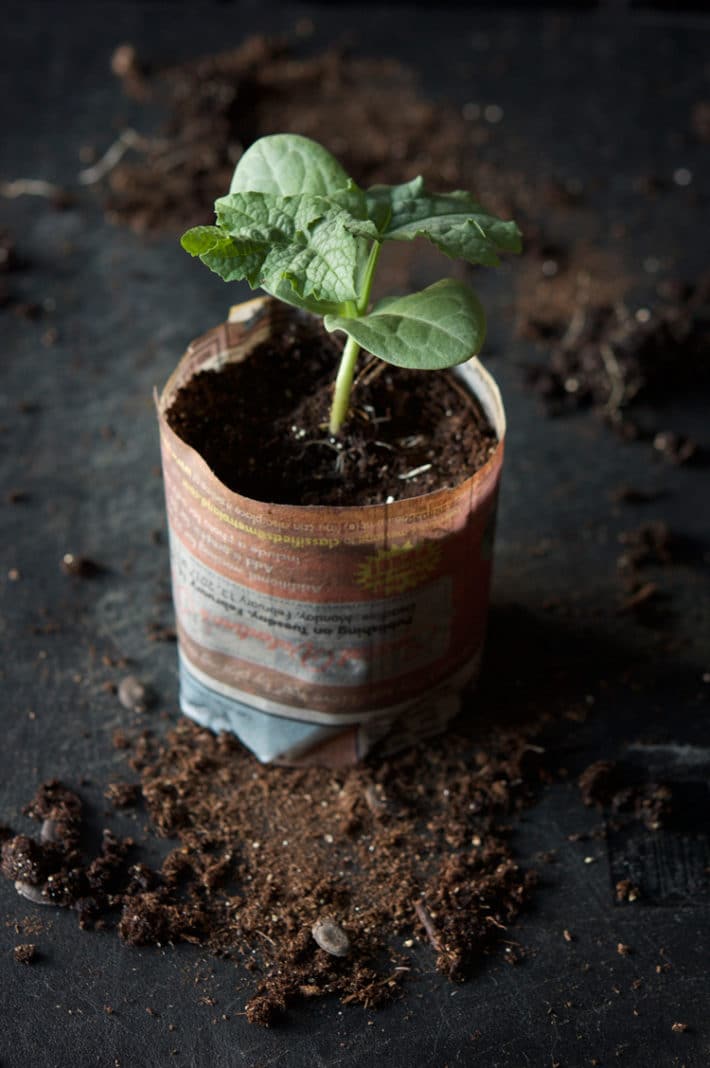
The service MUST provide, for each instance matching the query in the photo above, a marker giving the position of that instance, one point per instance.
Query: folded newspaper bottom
(276, 734)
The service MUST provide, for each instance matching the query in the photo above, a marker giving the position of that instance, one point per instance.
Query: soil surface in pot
(262, 426)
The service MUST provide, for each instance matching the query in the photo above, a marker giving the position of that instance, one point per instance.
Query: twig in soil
(372, 370)
(576, 327)
(263, 935)
(616, 378)
(428, 924)
(414, 472)
(648, 592)
(31, 187)
(114, 154)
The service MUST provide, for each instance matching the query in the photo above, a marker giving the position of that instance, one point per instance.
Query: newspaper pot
(315, 632)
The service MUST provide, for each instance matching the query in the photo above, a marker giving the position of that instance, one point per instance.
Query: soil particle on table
(80, 566)
(650, 545)
(300, 876)
(627, 891)
(616, 788)
(408, 432)
(123, 794)
(26, 953)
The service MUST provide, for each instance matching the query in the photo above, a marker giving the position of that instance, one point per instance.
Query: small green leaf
(231, 260)
(286, 165)
(454, 222)
(440, 327)
(200, 239)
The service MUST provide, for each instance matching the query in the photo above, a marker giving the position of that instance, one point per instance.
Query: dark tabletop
(601, 98)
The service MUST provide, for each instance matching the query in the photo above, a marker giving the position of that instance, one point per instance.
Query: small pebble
(493, 113)
(679, 1027)
(682, 176)
(124, 61)
(331, 938)
(133, 694)
(49, 832)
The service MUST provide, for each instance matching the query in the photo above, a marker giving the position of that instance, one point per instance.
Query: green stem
(346, 370)
(343, 385)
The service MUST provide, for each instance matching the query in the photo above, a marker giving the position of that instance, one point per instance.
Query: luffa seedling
(295, 224)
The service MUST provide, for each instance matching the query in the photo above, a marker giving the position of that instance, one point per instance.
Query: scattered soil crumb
(26, 954)
(123, 794)
(616, 787)
(627, 891)
(272, 865)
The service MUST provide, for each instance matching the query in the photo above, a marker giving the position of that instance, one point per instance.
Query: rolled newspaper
(314, 633)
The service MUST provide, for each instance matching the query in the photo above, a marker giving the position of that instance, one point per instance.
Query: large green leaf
(454, 222)
(288, 164)
(442, 326)
(269, 240)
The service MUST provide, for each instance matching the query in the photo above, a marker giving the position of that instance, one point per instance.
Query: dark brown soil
(601, 354)
(412, 851)
(262, 426)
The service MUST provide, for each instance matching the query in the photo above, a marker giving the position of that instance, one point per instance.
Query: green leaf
(286, 165)
(270, 240)
(200, 239)
(284, 290)
(454, 222)
(440, 327)
(230, 259)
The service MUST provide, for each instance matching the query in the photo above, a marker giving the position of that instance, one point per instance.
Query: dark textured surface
(582, 98)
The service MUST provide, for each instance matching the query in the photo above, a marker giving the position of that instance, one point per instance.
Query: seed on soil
(331, 938)
(134, 694)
